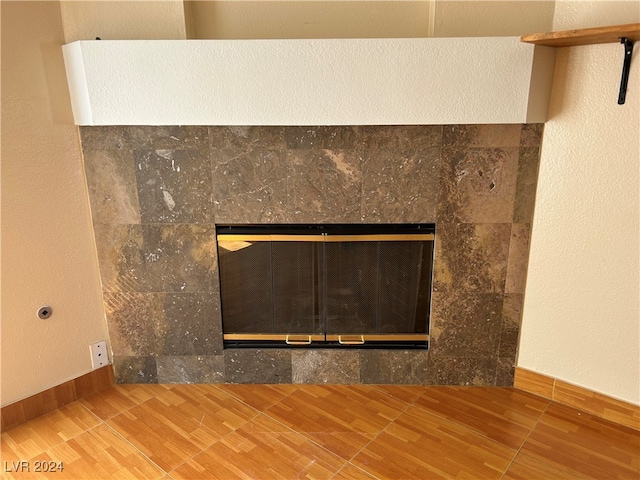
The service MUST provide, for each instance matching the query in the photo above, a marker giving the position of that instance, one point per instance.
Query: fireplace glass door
(326, 285)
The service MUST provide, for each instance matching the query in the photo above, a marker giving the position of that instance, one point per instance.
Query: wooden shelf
(585, 36)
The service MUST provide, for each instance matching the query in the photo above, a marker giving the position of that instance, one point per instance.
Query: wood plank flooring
(343, 432)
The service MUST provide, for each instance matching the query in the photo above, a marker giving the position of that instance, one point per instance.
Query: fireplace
(336, 285)
(159, 194)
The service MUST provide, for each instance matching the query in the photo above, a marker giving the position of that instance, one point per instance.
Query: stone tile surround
(157, 192)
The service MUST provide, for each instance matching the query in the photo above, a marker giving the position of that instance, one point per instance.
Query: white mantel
(309, 82)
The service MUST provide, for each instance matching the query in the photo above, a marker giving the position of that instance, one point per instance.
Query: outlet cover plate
(99, 356)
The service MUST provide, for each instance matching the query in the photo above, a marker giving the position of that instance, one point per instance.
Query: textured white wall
(306, 82)
(581, 316)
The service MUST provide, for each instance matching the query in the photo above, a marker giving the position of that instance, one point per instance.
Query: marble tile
(162, 137)
(511, 322)
(104, 138)
(139, 137)
(174, 186)
(465, 324)
(325, 366)
(505, 371)
(266, 206)
(135, 321)
(190, 369)
(158, 258)
(518, 258)
(471, 257)
(407, 367)
(487, 135)
(246, 137)
(400, 189)
(161, 277)
(471, 371)
(323, 137)
(478, 185)
(324, 186)
(257, 366)
(528, 164)
(135, 369)
(531, 135)
(249, 187)
(192, 325)
(111, 181)
(119, 257)
(404, 140)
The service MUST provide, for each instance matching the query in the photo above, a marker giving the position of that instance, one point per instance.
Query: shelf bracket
(628, 49)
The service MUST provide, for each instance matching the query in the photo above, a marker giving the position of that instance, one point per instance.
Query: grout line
(356, 467)
(164, 472)
(409, 405)
(222, 436)
(525, 440)
(230, 394)
(482, 434)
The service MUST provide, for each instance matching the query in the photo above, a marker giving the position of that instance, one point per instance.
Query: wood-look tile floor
(346, 432)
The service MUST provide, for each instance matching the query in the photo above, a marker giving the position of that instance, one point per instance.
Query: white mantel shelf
(309, 82)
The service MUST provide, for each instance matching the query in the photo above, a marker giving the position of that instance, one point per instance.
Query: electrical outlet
(99, 357)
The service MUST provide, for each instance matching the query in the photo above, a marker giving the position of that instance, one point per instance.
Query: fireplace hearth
(332, 285)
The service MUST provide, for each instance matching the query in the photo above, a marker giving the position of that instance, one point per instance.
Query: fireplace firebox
(329, 285)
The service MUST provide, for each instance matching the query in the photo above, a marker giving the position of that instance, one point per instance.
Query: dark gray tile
(511, 322)
(141, 137)
(478, 185)
(257, 366)
(111, 181)
(531, 135)
(505, 372)
(104, 138)
(168, 137)
(135, 369)
(324, 186)
(192, 325)
(135, 322)
(120, 259)
(518, 258)
(246, 138)
(468, 371)
(325, 366)
(487, 135)
(174, 186)
(407, 367)
(331, 175)
(400, 189)
(471, 257)
(191, 369)
(526, 185)
(249, 187)
(157, 258)
(179, 258)
(319, 137)
(465, 324)
(404, 140)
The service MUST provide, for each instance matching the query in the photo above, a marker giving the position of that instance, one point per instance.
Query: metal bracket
(628, 49)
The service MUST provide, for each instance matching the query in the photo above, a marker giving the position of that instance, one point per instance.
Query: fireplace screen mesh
(326, 286)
